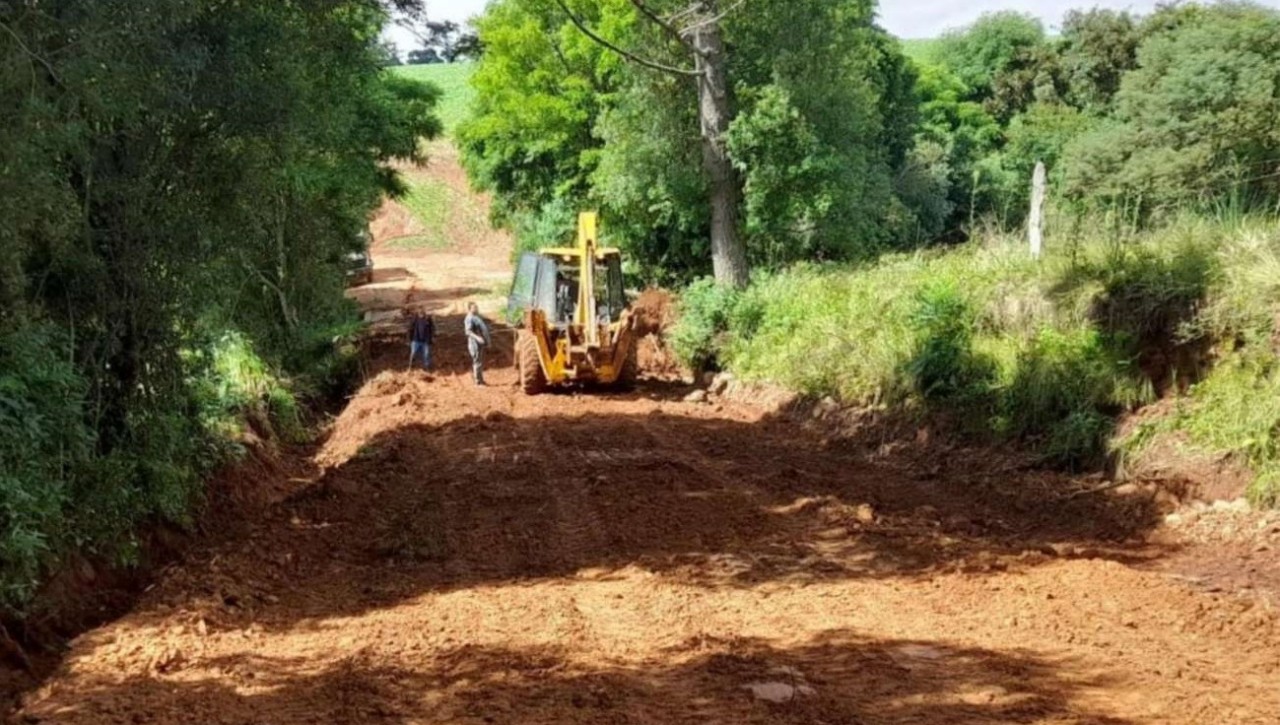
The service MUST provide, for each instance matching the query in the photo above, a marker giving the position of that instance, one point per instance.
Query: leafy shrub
(43, 440)
(944, 366)
(705, 313)
(552, 225)
(1066, 390)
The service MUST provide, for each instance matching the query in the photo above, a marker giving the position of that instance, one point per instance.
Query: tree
(696, 28)
(424, 56)
(564, 119)
(442, 41)
(172, 174)
(1098, 48)
(540, 88)
(955, 135)
(390, 54)
(1194, 121)
(979, 53)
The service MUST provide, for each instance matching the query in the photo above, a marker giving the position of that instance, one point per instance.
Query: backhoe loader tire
(532, 379)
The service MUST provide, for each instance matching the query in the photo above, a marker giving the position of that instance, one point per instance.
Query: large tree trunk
(728, 257)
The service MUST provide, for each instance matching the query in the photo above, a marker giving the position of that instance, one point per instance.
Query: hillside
(452, 79)
(918, 49)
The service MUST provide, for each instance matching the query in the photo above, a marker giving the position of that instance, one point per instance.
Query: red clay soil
(471, 555)
(655, 314)
(476, 556)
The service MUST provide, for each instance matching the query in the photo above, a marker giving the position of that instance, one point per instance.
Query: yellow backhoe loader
(576, 325)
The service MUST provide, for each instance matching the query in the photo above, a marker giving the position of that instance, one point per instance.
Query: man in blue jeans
(422, 331)
(477, 340)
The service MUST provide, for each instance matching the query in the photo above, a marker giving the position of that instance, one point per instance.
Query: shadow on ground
(502, 492)
(838, 677)
(492, 499)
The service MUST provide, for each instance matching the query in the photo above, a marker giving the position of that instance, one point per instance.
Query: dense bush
(179, 184)
(706, 310)
(44, 439)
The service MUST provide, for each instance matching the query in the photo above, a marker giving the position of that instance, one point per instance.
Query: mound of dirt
(655, 315)
(655, 312)
(657, 360)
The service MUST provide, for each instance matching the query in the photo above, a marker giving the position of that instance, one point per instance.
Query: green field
(452, 79)
(918, 49)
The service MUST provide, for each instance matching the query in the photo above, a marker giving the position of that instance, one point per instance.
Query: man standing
(477, 340)
(422, 332)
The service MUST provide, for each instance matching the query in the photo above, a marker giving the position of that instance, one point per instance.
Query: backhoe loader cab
(572, 307)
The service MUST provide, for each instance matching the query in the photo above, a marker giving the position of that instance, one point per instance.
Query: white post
(1036, 222)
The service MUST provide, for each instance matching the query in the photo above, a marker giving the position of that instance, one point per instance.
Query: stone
(720, 383)
(697, 396)
(779, 692)
(865, 514)
(1239, 505)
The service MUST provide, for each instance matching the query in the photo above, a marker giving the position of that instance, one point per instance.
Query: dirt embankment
(472, 555)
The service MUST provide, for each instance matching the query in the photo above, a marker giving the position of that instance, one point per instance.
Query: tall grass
(1049, 353)
(1235, 409)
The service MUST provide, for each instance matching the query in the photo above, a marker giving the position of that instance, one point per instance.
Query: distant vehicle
(359, 265)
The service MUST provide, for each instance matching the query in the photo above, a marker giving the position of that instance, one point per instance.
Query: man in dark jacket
(422, 331)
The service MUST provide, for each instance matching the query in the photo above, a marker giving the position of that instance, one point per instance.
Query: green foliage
(1066, 390)
(983, 50)
(43, 439)
(919, 50)
(955, 136)
(554, 225)
(171, 171)
(1235, 408)
(1193, 122)
(706, 311)
(1098, 47)
(456, 92)
(825, 113)
(944, 366)
(1045, 353)
(538, 88)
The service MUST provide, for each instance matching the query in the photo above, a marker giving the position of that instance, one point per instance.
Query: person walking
(422, 332)
(477, 340)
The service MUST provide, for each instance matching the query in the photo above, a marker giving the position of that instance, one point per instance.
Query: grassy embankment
(431, 198)
(1049, 353)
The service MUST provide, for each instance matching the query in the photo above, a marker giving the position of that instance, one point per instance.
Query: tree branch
(713, 19)
(625, 54)
(53, 74)
(671, 29)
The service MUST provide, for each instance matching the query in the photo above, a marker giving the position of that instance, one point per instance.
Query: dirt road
(475, 556)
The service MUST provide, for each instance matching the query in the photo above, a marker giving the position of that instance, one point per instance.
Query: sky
(903, 18)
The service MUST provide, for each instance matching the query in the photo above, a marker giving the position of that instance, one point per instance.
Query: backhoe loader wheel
(532, 379)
